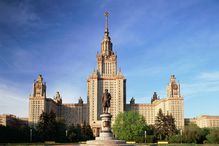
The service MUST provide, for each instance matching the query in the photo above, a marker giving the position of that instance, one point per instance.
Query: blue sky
(153, 39)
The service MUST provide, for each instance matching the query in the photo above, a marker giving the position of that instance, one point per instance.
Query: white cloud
(209, 76)
(206, 82)
(12, 100)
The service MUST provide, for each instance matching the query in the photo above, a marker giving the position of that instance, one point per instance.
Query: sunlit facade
(105, 76)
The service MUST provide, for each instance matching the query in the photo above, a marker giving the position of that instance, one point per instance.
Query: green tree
(170, 125)
(61, 131)
(46, 126)
(193, 134)
(159, 125)
(80, 133)
(165, 126)
(130, 126)
(14, 134)
(175, 138)
(151, 138)
(87, 132)
(213, 136)
(74, 133)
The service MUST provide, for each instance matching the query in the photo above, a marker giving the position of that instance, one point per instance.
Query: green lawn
(39, 144)
(70, 144)
(178, 145)
(193, 145)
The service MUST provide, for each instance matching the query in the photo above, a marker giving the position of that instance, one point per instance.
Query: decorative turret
(132, 101)
(155, 97)
(57, 98)
(173, 88)
(39, 87)
(80, 101)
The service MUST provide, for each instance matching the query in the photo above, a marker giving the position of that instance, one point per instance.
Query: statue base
(106, 136)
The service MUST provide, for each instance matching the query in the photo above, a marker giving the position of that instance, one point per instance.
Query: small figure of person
(106, 101)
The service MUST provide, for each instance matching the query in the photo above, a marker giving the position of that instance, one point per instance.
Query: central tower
(105, 76)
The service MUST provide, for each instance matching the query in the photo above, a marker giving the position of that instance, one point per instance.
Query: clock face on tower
(38, 89)
(174, 86)
(38, 86)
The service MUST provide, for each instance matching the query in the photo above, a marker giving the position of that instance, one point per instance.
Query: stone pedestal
(106, 136)
(105, 133)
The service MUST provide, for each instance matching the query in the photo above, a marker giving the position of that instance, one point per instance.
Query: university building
(204, 121)
(172, 104)
(12, 120)
(105, 76)
(38, 103)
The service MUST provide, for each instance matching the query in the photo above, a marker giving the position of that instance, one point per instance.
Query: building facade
(105, 76)
(12, 120)
(204, 121)
(172, 104)
(38, 103)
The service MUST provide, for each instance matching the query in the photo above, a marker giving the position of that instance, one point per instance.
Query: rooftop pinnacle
(106, 45)
(106, 27)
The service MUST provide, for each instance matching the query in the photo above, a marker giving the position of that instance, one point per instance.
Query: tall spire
(106, 26)
(106, 45)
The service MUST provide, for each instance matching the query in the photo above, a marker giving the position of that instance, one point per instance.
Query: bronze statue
(106, 101)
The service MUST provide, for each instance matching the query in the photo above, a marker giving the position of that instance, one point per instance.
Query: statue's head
(106, 90)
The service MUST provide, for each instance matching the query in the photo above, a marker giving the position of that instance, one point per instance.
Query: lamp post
(66, 133)
(181, 133)
(145, 136)
(31, 131)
